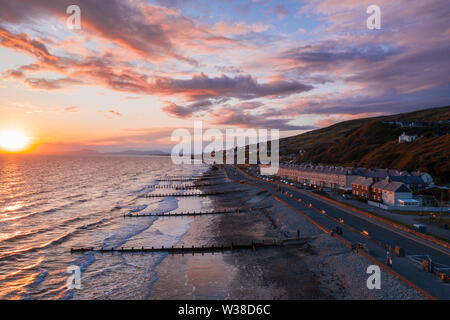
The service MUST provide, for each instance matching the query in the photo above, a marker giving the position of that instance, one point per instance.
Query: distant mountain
(141, 153)
(126, 152)
(373, 142)
(82, 152)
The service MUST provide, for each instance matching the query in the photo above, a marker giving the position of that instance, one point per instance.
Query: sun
(13, 141)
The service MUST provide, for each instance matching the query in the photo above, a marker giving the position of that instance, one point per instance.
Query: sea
(50, 204)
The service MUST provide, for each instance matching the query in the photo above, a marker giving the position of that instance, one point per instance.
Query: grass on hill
(371, 142)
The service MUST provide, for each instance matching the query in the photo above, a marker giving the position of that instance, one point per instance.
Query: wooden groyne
(188, 179)
(185, 187)
(177, 214)
(189, 194)
(198, 249)
(193, 187)
(176, 179)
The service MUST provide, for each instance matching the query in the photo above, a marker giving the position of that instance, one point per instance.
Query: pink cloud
(115, 113)
(238, 28)
(72, 109)
(22, 42)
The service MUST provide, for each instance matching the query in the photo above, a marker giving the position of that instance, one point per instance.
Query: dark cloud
(248, 105)
(280, 11)
(388, 103)
(389, 78)
(241, 118)
(241, 87)
(186, 111)
(411, 71)
(206, 105)
(328, 55)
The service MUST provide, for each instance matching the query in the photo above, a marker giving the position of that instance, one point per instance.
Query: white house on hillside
(407, 138)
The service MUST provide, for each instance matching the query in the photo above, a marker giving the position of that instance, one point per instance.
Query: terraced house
(323, 176)
(392, 193)
(361, 187)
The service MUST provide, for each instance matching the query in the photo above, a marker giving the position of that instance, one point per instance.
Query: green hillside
(372, 142)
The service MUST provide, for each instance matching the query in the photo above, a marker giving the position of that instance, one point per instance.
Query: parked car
(420, 228)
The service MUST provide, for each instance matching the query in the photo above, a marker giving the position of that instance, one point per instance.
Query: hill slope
(371, 142)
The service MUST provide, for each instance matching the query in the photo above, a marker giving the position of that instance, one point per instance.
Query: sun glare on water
(13, 141)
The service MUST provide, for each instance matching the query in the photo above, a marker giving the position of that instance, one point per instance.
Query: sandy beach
(324, 268)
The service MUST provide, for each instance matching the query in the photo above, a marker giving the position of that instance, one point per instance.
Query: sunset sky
(137, 70)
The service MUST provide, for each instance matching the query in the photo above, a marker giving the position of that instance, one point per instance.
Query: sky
(137, 70)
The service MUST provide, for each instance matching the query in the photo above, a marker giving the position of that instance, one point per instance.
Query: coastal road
(354, 224)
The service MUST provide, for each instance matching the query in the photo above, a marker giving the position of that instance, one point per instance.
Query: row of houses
(342, 177)
(324, 176)
(389, 186)
(405, 123)
(416, 124)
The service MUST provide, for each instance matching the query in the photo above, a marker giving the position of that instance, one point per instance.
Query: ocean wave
(22, 270)
(139, 208)
(73, 196)
(36, 212)
(27, 215)
(58, 240)
(40, 278)
(29, 233)
(124, 234)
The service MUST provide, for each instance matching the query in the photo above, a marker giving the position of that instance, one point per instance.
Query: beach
(324, 268)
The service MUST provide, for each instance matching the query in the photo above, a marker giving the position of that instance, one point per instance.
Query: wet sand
(323, 269)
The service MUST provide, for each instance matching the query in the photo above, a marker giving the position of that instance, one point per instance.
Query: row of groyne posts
(183, 187)
(189, 194)
(188, 187)
(253, 245)
(183, 213)
(188, 179)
